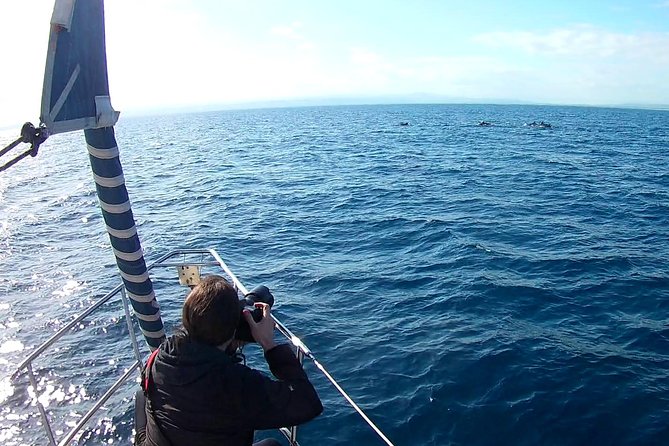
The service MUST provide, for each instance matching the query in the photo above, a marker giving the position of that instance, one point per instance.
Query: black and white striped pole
(119, 220)
(75, 97)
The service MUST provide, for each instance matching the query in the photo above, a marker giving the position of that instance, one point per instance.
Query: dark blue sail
(76, 97)
(76, 88)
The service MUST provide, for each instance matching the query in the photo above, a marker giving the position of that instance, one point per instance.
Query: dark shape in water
(541, 125)
(484, 124)
(404, 123)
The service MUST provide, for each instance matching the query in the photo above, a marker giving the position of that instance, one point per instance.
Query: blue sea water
(466, 285)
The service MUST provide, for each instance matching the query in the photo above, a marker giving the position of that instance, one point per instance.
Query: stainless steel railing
(176, 258)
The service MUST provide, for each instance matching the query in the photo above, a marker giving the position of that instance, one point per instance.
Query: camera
(258, 294)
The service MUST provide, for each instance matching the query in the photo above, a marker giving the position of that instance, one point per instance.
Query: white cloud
(586, 64)
(201, 64)
(580, 41)
(167, 53)
(292, 37)
(370, 72)
(180, 58)
(291, 31)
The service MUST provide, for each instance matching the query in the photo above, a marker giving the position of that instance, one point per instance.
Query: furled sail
(76, 88)
(76, 97)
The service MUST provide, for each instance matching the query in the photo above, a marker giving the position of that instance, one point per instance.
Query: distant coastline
(415, 99)
(418, 99)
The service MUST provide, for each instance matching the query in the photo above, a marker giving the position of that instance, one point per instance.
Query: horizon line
(362, 101)
(354, 101)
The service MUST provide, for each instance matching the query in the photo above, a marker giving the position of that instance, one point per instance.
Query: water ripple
(467, 285)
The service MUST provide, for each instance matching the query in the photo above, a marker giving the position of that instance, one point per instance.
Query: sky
(181, 54)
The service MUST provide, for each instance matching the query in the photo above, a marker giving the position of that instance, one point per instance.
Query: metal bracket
(189, 275)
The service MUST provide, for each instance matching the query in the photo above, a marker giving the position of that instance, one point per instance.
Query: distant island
(417, 98)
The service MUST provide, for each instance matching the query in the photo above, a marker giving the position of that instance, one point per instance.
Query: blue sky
(177, 53)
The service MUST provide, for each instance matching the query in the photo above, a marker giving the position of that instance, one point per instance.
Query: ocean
(466, 285)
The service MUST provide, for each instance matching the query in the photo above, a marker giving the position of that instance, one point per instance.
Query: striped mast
(76, 97)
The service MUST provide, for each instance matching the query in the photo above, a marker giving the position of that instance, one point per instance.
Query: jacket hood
(187, 361)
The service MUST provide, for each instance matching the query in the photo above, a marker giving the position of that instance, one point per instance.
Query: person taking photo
(199, 393)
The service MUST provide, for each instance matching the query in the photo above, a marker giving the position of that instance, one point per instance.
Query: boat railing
(198, 258)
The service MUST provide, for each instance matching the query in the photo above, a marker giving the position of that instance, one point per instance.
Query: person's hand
(262, 331)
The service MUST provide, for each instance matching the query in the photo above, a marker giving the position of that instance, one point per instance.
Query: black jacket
(200, 395)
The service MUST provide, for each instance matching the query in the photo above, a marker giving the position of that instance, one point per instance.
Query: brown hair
(211, 311)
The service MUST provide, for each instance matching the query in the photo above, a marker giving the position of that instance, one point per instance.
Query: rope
(29, 135)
